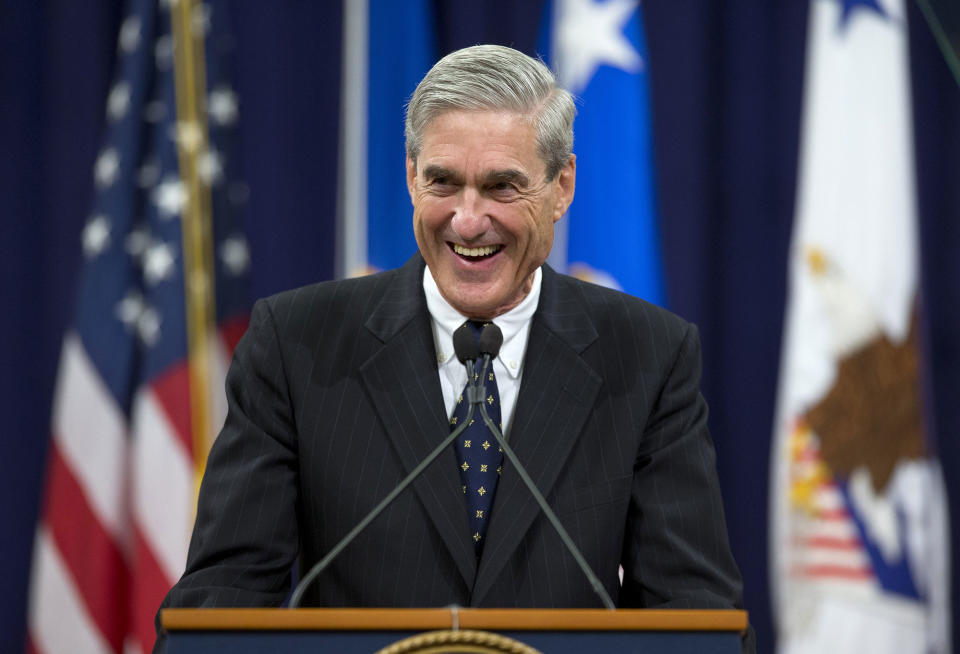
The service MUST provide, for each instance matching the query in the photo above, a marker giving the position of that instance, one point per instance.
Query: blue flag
(598, 50)
(388, 49)
(401, 53)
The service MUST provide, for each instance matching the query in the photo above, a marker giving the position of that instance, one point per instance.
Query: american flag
(128, 437)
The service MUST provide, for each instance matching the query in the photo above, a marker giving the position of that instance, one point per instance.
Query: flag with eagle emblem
(859, 533)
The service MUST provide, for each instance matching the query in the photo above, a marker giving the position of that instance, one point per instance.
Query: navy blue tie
(479, 457)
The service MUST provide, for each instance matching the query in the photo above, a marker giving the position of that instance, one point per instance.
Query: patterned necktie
(478, 455)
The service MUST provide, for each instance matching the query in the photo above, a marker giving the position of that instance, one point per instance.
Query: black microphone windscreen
(464, 344)
(491, 338)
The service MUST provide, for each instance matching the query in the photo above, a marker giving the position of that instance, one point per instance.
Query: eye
(441, 184)
(502, 190)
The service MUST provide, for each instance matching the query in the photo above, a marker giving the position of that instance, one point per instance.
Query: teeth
(475, 252)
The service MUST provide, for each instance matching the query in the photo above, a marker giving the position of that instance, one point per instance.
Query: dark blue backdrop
(726, 86)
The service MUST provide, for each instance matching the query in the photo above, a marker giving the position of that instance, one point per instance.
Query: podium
(550, 631)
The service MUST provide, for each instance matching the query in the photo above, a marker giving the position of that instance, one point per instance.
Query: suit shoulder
(616, 310)
(348, 299)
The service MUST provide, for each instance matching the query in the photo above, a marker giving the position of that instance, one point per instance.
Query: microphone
(467, 351)
(465, 345)
(491, 338)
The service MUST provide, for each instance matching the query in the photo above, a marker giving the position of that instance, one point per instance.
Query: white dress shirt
(508, 366)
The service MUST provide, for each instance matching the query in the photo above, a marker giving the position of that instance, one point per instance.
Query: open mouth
(475, 254)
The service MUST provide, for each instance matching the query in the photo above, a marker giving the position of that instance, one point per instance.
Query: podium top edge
(373, 619)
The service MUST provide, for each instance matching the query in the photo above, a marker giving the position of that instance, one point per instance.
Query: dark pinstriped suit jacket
(334, 396)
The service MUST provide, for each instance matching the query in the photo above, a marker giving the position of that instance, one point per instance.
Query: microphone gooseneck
(491, 338)
(468, 350)
(465, 346)
(588, 572)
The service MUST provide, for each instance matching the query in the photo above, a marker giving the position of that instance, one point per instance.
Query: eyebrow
(433, 171)
(509, 175)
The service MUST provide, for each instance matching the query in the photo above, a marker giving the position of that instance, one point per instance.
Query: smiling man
(484, 206)
(340, 389)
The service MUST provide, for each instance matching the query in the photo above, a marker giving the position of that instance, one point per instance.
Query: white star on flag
(118, 101)
(170, 197)
(129, 34)
(590, 34)
(130, 308)
(235, 254)
(158, 263)
(163, 52)
(148, 326)
(106, 168)
(222, 106)
(96, 236)
(137, 241)
(210, 167)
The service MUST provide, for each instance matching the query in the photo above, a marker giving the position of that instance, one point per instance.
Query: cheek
(432, 210)
(431, 217)
(544, 235)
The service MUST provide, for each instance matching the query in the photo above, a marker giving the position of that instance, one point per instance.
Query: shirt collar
(512, 324)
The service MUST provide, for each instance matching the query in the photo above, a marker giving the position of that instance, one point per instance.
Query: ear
(566, 182)
(411, 177)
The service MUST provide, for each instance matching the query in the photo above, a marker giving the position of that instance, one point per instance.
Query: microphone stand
(322, 564)
(538, 496)
(475, 393)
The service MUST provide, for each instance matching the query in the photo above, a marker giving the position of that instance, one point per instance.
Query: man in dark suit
(339, 389)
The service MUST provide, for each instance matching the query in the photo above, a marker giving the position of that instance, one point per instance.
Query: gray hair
(494, 77)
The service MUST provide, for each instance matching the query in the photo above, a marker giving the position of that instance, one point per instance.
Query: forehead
(481, 140)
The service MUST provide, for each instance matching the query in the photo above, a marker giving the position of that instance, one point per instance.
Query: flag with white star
(610, 235)
(127, 439)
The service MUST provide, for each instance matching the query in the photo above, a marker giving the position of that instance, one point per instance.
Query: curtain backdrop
(726, 88)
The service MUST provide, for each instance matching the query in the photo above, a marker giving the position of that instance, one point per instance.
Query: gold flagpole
(197, 223)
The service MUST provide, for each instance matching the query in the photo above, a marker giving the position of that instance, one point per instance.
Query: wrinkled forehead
(482, 137)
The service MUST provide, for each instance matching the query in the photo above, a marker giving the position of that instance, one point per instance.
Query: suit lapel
(557, 394)
(404, 386)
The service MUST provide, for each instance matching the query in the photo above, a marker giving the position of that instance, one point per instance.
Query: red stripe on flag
(232, 330)
(148, 588)
(89, 552)
(835, 571)
(831, 543)
(172, 390)
(833, 514)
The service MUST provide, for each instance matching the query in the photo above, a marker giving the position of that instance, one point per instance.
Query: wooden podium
(550, 631)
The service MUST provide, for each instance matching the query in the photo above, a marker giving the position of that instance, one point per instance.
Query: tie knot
(476, 326)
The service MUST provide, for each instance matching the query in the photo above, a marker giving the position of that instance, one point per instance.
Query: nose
(470, 222)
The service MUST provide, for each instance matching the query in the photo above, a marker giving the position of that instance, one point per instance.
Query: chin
(473, 307)
(474, 310)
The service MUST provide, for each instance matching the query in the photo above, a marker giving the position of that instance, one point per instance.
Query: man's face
(483, 212)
